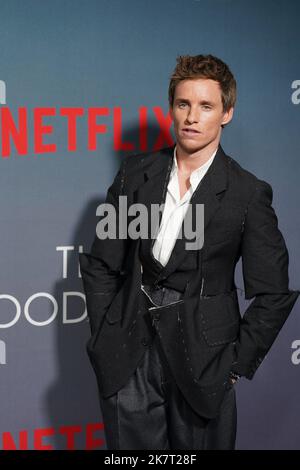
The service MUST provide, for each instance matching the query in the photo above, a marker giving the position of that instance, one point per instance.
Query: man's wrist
(234, 376)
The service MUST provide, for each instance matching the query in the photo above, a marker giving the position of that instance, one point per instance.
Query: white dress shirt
(175, 209)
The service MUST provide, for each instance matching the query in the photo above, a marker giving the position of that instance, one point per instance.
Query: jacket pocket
(220, 318)
(222, 334)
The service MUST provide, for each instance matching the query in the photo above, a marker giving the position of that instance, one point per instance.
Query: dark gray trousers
(150, 412)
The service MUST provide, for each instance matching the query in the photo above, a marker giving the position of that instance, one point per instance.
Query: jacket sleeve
(265, 271)
(101, 269)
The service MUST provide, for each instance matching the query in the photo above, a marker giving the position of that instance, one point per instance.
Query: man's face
(198, 105)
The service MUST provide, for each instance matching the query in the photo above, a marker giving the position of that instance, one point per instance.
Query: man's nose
(193, 115)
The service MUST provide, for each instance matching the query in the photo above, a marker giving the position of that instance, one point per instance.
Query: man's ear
(227, 116)
(171, 112)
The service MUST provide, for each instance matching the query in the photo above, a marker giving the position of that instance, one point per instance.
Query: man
(168, 341)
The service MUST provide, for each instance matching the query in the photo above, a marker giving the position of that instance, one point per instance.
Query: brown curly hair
(204, 66)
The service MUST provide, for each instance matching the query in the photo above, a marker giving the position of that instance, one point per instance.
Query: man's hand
(233, 377)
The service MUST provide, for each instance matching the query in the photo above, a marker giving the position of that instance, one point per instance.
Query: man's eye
(206, 106)
(181, 105)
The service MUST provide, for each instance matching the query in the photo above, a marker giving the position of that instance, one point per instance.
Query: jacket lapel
(213, 183)
(154, 190)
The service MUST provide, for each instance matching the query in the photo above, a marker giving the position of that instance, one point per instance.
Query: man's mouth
(192, 131)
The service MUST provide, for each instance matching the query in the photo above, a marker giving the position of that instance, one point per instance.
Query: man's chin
(191, 146)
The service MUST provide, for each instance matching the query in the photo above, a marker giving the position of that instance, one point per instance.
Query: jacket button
(144, 341)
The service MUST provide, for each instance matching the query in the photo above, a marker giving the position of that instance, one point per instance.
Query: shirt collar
(198, 172)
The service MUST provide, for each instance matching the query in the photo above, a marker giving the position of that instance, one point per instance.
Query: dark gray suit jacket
(203, 335)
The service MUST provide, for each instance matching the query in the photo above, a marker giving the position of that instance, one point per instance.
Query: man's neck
(188, 162)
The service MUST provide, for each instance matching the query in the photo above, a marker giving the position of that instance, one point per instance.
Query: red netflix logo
(15, 131)
(42, 438)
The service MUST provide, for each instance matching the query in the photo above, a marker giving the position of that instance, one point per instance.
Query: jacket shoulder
(245, 179)
(133, 166)
(140, 161)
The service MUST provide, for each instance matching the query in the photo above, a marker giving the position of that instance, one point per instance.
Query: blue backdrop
(118, 56)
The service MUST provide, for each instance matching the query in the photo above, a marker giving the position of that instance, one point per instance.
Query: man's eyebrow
(184, 100)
